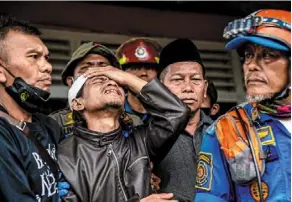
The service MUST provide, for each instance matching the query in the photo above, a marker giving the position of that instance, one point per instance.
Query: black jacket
(111, 167)
(25, 176)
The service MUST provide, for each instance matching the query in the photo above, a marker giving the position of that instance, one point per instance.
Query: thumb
(165, 195)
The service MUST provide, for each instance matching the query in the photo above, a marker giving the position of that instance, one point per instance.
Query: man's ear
(77, 104)
(3, 78)
(69, 81)
(215, 109)
(205, 88)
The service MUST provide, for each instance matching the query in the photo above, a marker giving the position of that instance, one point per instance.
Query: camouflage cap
(82, 51)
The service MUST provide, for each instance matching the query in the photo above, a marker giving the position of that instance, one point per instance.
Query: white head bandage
(75, 88)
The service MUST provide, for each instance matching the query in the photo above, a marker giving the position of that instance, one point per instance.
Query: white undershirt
(287, 123)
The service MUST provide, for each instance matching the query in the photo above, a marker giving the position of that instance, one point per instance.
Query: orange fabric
(273, 13)
(231, 143)
(272, 31)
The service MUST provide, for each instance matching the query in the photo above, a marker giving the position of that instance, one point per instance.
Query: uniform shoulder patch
(266, 135)
(204, 171)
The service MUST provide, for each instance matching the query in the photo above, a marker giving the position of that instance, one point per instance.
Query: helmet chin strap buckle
(283, 94)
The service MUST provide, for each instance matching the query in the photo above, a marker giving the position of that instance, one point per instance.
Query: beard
(112, 106)
(259, 98)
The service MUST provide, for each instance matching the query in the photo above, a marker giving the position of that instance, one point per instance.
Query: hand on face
(122, 78)
(110, 72)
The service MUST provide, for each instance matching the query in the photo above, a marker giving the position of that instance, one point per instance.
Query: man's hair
(212, 92)
(8, 23)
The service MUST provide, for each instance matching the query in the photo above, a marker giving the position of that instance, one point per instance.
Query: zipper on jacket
(119, 177)
(143, 157)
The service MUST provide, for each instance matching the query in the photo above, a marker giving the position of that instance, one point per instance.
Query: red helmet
(138, 50)
(267, 27)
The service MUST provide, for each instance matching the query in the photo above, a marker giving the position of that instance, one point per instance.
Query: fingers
(107, 71)
(99, 69)
(63, 192)
(163, 195)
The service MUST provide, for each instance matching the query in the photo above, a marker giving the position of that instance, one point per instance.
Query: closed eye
(34, 56)
(176, 79)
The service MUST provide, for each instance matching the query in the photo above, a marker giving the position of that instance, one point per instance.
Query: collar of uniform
(96, 137)
(204, 120)
(144, 117)
(250, 109)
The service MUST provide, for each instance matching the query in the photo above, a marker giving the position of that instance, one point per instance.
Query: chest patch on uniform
(255, 193)
(266, 135)
(67, 119)
(204, 171)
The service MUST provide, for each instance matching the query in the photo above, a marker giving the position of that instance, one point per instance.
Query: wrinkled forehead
(185, 68)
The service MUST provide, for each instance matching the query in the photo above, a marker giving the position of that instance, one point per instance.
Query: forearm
(134, 83)
(169, 118)
(164, 106)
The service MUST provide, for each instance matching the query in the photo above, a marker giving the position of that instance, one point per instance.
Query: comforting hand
(165, 197)
(63, 187)
(155, 182)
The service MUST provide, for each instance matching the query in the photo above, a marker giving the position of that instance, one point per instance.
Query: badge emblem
(204, 171)
(254, 191)
(24, 96)
(141, 53)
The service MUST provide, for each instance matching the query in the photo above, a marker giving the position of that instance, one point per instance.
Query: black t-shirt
(24, 176)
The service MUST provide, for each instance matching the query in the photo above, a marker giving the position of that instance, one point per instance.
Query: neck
(103, 122)
(286, 101)
(13, 108)
(193, 123)
(135, 104)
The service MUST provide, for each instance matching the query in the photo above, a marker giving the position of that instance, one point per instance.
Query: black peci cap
(180, 50)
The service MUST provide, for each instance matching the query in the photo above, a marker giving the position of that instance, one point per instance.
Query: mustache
(253, 76)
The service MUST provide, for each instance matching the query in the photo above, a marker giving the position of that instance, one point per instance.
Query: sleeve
(213, 183)
(14, 185)
(54, 129)
(169, 118)
(66, 193)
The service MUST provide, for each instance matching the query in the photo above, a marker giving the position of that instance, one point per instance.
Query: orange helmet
(138, 50)
(267, 27)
